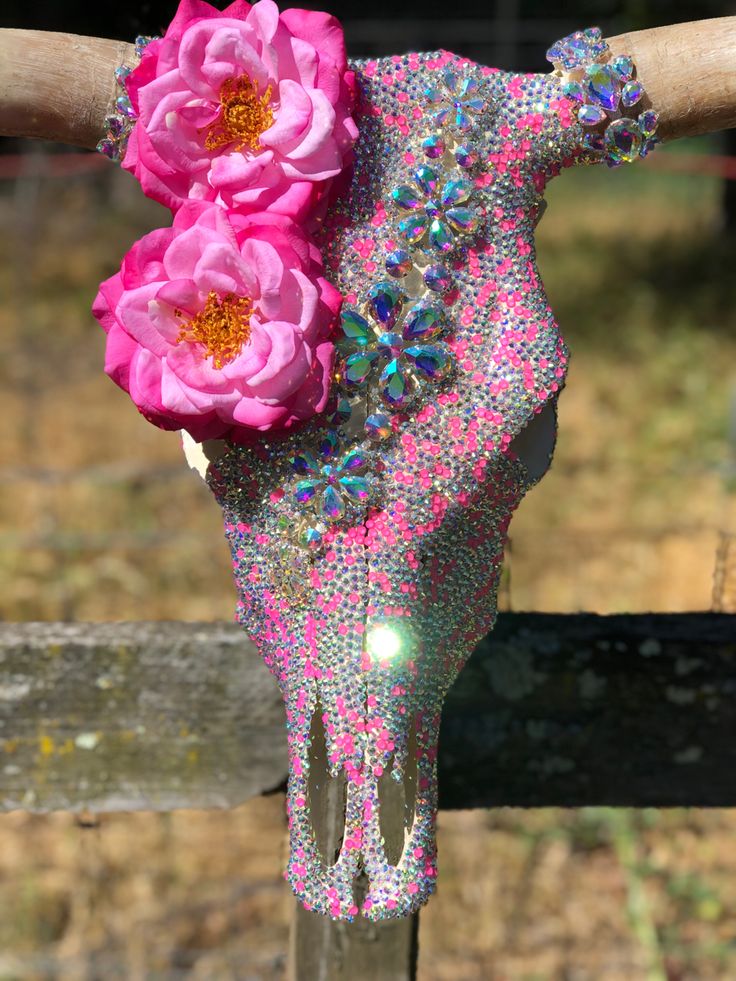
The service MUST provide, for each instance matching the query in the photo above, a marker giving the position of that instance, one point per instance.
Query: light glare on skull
(384, 643)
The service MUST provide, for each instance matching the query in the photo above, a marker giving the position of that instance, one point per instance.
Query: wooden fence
(550, 710)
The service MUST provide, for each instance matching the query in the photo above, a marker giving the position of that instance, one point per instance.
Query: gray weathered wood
(550, 710)
(135, 716)
(362, 951)
(572, 710)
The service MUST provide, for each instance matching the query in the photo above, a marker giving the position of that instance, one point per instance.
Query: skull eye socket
(535, 444)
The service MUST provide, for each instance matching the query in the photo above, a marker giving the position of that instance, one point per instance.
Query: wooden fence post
(321, 949)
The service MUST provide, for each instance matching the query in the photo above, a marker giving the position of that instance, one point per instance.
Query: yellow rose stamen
(244, 115)
(222, 327)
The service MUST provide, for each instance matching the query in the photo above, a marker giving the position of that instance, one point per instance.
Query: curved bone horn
(57, 86)
(60, 86)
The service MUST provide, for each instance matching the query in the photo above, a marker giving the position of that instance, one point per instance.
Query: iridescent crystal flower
(439, 213)
(455, 104)
(578, 48)
(331, 482)
(397, 344)
(607, 91)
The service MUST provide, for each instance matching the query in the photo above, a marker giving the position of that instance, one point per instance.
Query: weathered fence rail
(550, 710)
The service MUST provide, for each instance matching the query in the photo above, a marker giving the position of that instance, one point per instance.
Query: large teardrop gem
(648, 122)
(413, 228)
(591, 115)
(333, 507)
(624, 67)
(305, 462)
(305, 490)
(455, 192)
(329, 445)
(422, 321)
(357, 487)
(451, 80)
(632, 93)
(405, 196)
(468, 87)
(395, 385)
(385, 300)
(604, 85)
(431, 359)
(427, 179)
(462, 120)
(354, 460)
(355, 327)
(124, 106)
(474, 105)
(440, 236)
(440, 116)
(462, 219)
(358, 366)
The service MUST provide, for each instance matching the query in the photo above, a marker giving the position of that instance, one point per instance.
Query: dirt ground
(100, 520)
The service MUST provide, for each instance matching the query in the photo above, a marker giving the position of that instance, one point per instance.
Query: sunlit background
(101, 520)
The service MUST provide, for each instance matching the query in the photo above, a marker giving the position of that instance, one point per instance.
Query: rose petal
(221, 268)
(280, 375)
(177, 89)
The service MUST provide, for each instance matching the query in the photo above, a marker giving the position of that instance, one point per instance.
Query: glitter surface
(369, 621)
(366, 605)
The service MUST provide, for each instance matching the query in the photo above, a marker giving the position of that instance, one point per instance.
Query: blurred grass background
(101, 520)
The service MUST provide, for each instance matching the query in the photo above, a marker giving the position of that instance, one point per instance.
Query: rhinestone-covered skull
(368, 547)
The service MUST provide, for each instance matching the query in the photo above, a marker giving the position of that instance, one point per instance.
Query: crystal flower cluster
(120, 120)
(240, 121)
(394, 351)
(610, 99)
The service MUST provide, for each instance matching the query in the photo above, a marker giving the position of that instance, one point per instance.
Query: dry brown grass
(100, 520)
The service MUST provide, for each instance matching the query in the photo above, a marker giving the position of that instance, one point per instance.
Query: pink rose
(244, 107)
(221, 324)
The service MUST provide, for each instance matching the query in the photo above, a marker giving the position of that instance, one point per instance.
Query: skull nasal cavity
(397, 800)
(327, 795)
